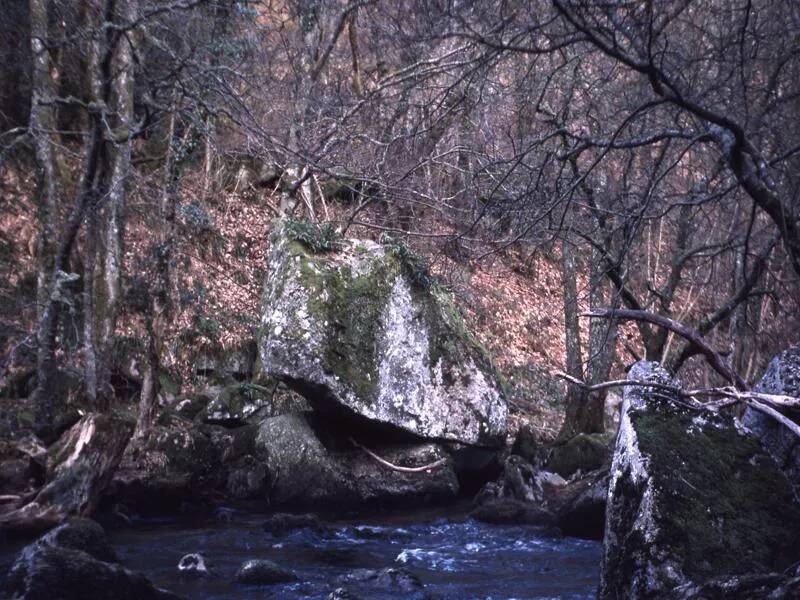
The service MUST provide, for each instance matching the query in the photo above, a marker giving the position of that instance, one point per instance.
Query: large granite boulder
(691, 497)
(74, 562)
(307, 473)
(781, 377)
(354, 326)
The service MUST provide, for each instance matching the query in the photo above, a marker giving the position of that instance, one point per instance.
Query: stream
(456, 558)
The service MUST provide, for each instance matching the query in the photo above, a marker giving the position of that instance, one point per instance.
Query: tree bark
(114, 222)
(577, 398)
(42, 128)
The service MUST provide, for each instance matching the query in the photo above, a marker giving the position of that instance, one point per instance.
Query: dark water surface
(455, 558)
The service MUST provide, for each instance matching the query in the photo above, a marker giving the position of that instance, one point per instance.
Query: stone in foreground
(75, 562)
(691, 498)
(263, 572)
(356, 328)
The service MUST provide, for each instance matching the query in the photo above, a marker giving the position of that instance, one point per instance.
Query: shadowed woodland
(542, 193)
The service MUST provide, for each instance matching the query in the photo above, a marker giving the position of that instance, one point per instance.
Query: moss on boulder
(353, 326)
(584, 452)
(691, 497)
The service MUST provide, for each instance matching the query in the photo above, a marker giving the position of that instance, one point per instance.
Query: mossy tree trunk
(42, 126)
(108, 294)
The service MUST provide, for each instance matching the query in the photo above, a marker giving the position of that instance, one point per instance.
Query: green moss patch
(722, 504)
(351, 305)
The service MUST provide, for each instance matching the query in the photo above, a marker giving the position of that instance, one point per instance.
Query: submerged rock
(263, 572)
(397, 581)
(75, 562)
(781, 377)
(281, 524)
(691, 497)
(508, 511)
(353, 327)
(307, 474)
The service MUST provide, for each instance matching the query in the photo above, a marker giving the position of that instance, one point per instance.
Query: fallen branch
(423, 469)
(757, 400)
(690, 335)
(617, 383)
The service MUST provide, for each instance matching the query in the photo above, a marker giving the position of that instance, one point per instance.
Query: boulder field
(366, 374)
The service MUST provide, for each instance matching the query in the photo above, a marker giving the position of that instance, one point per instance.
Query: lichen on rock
(352, 328)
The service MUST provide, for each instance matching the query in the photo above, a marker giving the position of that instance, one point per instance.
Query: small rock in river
(389, 578)
(281, 524)
(193, 564)
(262, 572)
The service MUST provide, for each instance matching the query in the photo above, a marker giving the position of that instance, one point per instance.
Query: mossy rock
(353, 327)
(583, 452)
(692, 497)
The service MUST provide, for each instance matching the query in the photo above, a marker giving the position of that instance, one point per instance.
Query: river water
(455, 557)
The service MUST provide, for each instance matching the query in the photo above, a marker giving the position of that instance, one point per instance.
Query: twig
(386, 463)
(617, 383)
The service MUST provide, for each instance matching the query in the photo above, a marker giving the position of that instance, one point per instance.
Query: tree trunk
(122, 94)
(42, 128)
(150, 386)
(89, 337)
(161, 305)
(577, 398)
(43, 395)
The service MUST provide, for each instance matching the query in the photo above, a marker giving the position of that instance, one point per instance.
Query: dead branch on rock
(423, 469)
(759, 401)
